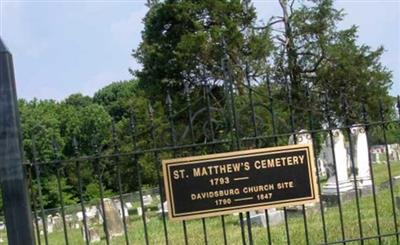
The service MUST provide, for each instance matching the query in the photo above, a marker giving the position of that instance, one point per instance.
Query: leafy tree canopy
(184, 41)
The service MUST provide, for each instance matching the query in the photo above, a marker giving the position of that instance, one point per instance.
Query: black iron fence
(369, 218)
(211, 118)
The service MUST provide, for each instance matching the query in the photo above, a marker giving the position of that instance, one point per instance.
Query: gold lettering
(222, 169)
(277, 162)
(236, 167)
(247, 166)
(271, 163)
(176, 174)
(196, 172)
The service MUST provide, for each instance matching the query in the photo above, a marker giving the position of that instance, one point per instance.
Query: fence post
(17, 209)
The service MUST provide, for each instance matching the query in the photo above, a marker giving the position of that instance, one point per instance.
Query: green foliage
(50, 192)
(184, 42)
(116, 98)
(312, 53)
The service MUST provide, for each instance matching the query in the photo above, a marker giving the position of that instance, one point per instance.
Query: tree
(115, 97)
(184, 42)
(312, 54)
(40, 125)
(78, 100)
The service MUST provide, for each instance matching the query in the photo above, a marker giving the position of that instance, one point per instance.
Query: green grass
(278, 234)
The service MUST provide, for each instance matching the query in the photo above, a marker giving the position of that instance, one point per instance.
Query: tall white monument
(361, 157)
(325, 158)
(340, 170)
(302, 137)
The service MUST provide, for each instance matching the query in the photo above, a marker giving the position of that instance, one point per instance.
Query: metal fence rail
(339, 233)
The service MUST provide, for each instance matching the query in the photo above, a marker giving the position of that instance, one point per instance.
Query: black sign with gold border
(210, 185)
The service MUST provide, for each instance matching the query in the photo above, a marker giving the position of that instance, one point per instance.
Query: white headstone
(91, 212)
(165, 206)
(139, 211)
(50, 227)
(57, 222)
(128, 205)
(302, 137)
(79, 215)
(321, 167)
(325, 158)
(118, 206)
(274, 217)
(362, 157)
(147, 200)
(340, 170)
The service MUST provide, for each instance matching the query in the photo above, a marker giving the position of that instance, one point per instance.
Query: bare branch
(314, 69)
(268, 25)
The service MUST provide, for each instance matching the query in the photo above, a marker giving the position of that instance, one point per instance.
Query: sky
(62, 47)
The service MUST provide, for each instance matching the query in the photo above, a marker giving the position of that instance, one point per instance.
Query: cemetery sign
(216, 184)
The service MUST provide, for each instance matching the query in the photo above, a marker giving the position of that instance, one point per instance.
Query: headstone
(275, 217)
(394, 152)
(329, 191)
(165, 206)
(93, 235)
(117, 204)
(50, 227)
(147, 200)
(375, 157)
(364, 182)
(325, 158)
(49, 224)
(79, 215)
(69, 220)
(91, 212)
(114, 221)
(99, 218)
(139, 211)
(377, 153)
(129, 205)
(302, 137)
(57, 222)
